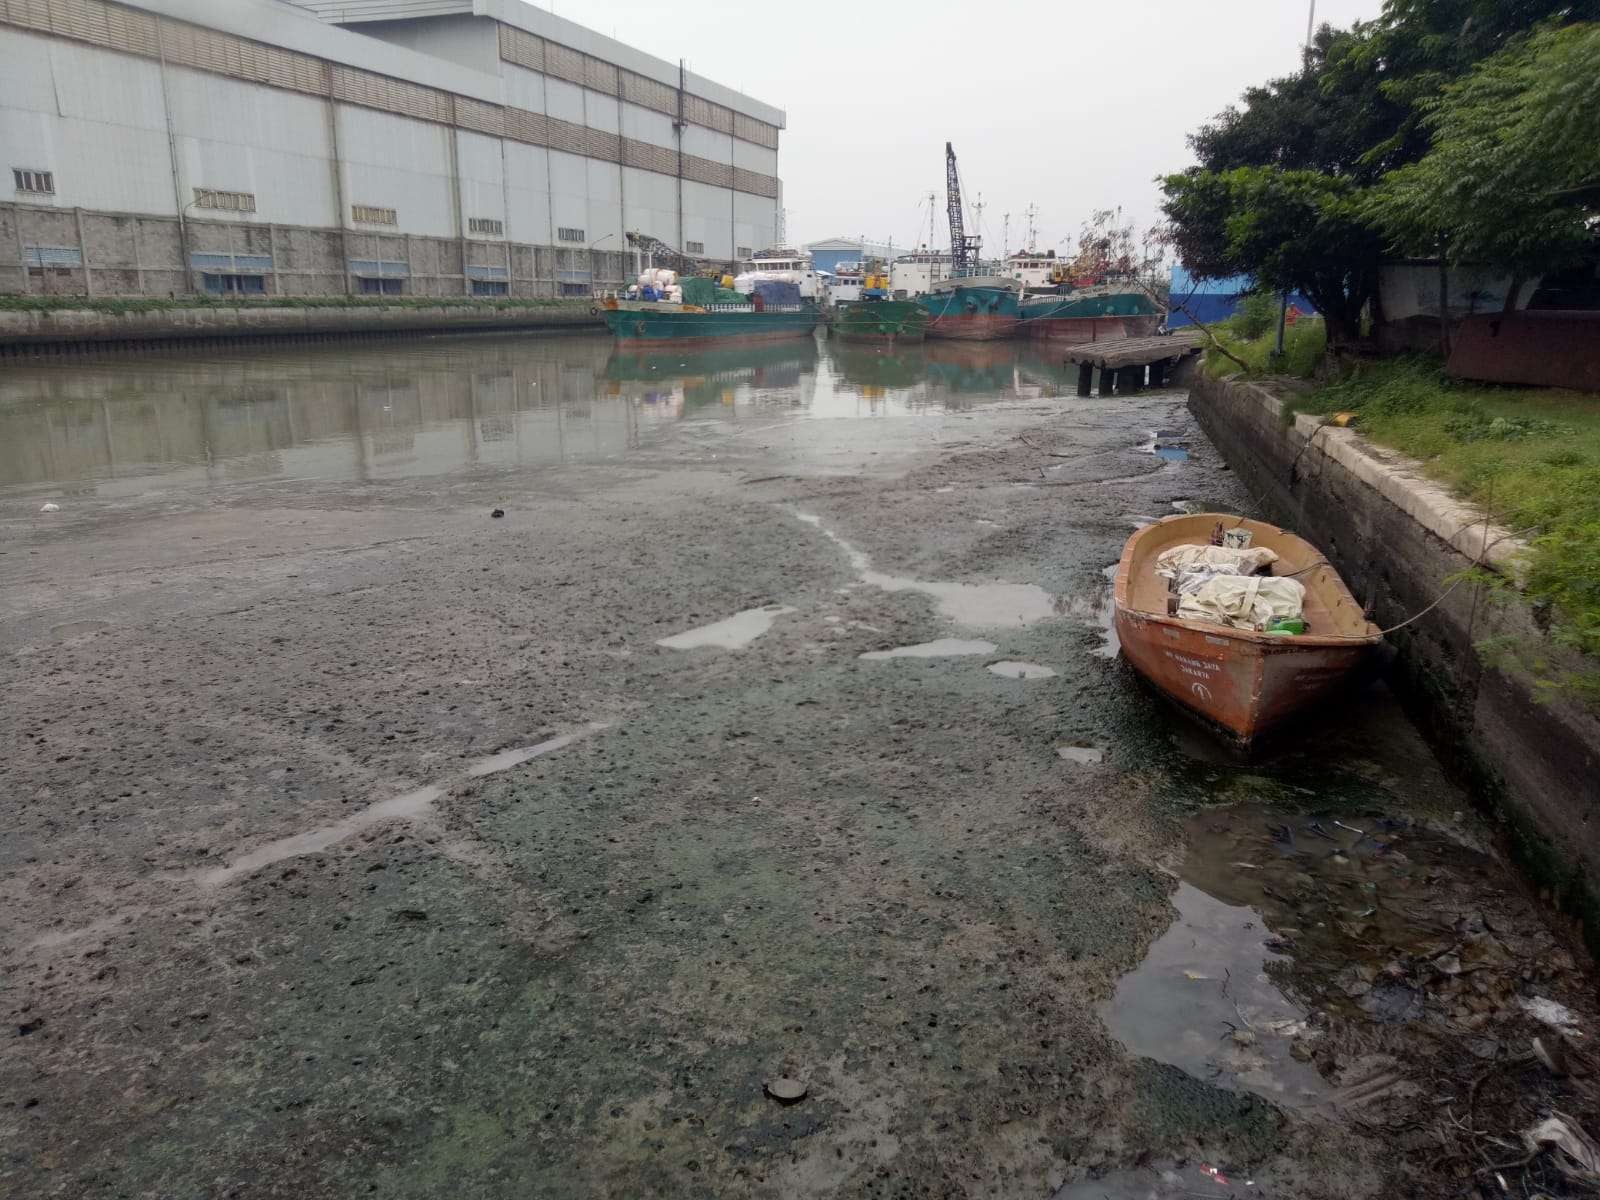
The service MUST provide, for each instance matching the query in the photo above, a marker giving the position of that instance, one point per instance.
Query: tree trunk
(1512, 294)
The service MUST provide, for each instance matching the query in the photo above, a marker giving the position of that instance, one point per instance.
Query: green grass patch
(139, 304)
(1304, 345)
(1529, 456)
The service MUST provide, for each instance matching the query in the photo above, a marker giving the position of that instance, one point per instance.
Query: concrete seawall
(58, 331)
(1400, 541)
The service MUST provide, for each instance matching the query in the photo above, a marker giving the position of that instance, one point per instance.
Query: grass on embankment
(139, 304)
(1304, 344)
(1529, 456)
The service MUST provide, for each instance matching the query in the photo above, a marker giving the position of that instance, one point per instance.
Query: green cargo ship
(888, 321)
(653, 324)
(1093, 314)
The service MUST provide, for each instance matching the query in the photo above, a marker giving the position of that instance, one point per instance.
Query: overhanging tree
(1291, 230)
(1512, 179)
(1283, 190)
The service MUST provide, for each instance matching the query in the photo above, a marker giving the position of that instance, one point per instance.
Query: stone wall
(1400, 541)
(28, 332)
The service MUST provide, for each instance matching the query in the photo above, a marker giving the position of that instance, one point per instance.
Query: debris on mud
(786, 1091)
(1377, 967)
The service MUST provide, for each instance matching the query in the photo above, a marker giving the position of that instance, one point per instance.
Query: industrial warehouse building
(323, 147)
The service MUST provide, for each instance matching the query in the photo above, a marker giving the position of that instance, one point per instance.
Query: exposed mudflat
(758, 808)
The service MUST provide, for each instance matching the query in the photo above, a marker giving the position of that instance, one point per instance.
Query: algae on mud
(778, 860)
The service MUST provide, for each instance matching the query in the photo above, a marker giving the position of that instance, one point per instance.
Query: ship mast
(963, 248)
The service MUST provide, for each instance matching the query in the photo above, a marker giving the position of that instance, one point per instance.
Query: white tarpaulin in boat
(1214, 560)
(1243, 601)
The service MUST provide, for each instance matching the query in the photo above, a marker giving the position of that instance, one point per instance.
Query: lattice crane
(963, 249)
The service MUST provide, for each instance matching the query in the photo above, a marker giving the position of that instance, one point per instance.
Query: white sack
(1216, 560)
(1244, 601)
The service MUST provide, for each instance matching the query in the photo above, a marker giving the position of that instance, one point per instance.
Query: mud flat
(650, 840)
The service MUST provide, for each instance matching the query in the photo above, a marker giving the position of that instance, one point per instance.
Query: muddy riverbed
(757, 807)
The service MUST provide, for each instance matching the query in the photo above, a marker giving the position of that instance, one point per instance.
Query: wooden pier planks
(1136, 352)
(1123, 361)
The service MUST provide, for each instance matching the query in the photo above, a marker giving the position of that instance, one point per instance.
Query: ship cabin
(1035, 268)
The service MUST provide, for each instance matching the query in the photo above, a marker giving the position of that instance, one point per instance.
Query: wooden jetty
(1123, 362)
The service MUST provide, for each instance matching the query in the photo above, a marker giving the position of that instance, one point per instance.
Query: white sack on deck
(1215, 560)
(1244, 601)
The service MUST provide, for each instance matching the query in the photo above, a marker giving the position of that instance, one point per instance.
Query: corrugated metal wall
(588, 148)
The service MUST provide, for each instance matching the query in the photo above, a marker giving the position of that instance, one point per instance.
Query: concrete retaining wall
(25, 332)
(1399, 540)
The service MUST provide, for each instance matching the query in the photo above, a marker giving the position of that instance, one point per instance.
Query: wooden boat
(1241, 681)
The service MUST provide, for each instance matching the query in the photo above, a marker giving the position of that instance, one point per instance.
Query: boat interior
(1329, 609)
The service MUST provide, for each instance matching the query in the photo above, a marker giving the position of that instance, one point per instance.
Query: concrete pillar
(337, 168)
(1158, 373)
(83, 253)
(22, 250)
(1085, 378)
(1108, 379)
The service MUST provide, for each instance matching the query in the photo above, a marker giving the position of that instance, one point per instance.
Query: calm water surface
(124, 426)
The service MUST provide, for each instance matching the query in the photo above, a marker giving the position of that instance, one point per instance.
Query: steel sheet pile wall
(282, 155)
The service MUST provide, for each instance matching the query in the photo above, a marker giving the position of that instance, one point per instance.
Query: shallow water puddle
(1202, 1002)
(1162, 444)
(943, 648)
(1362, 921)
(410, 806)
(1021, 670)
(732, 633)
(978, 604)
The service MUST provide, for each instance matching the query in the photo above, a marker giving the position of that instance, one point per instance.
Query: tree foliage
(1293, 230)
(1513, 175)
(1287, 183)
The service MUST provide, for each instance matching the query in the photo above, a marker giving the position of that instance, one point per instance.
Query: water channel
(120, 426)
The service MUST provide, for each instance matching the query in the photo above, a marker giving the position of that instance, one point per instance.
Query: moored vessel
(1208, 650)
(645, 324)
(887, 321)
(1091, 314)
(973, 306)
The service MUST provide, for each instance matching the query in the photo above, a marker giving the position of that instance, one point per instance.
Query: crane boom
(963, 249)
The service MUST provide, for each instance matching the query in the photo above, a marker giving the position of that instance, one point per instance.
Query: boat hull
(1244, 682)
(1074, 317)
(886, 322)
(973, 327)
(976, 314)
(1072, 330)
(646, 327)
(1243, 688)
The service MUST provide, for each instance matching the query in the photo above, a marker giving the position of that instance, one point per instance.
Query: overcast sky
(1070, 105)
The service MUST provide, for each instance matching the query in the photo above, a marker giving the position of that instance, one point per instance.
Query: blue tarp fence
(1212, 300)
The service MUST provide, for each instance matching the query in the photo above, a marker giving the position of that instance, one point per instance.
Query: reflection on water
(369, 413)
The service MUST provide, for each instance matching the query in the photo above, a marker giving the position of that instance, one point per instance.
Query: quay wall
(1400, 542)
(33, 333)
